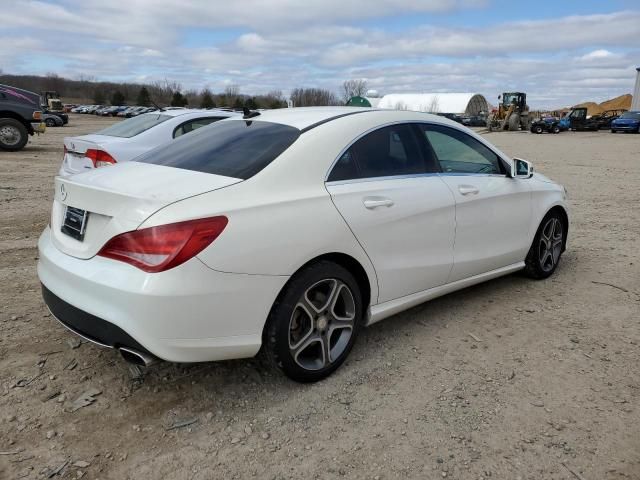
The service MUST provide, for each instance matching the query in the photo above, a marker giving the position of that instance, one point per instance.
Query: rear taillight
(160, 248)
(37, 115)
(100, 158)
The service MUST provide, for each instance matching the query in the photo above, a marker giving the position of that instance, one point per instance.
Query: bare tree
(434, 105)
(353, 88)
(310, 97)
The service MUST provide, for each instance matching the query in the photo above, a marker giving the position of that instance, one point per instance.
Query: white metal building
(635, 101)
(459, 103)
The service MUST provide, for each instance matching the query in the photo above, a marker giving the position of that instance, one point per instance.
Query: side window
(192, 125)
(458, 152)
(345, 168)
(388, 151)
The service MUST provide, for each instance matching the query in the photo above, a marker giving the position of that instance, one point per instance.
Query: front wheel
(13, 135)
(544, 254)
(538, 129)
(613, 130)
(314, 323)
(556, 129)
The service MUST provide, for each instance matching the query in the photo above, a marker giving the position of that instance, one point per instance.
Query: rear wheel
(538, 129)
(556, 129)
(50, 122)
(314, 324)
(613, 130)
(544, 254)
(13, 135)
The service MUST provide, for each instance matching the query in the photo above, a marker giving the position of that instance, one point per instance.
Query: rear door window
(386, 152)
(134, 126)
(236, 148)
(192, 125)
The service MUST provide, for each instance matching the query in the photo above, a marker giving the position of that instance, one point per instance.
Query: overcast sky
(560, 52)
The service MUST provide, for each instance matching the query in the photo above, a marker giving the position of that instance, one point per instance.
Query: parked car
(604, 119)
(126, 140)
(51, 120)
(474, 121)
(627, 122)
(20, 116)
(546, 124)
(289, 231)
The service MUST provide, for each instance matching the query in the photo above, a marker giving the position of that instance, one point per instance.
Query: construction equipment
(512, 113)
(52, 104)
(51, 101)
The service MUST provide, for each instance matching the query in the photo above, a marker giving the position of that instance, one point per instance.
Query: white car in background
(289, 231)
(126, 140)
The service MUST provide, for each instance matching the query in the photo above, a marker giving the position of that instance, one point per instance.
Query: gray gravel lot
(512, 379)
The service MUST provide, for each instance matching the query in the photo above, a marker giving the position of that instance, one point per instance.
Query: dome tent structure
(457, 103)
(358, 102)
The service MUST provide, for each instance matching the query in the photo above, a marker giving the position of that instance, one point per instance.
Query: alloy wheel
(550, 246)
(321, 324)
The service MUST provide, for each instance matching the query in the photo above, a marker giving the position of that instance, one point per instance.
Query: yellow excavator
(512, 113)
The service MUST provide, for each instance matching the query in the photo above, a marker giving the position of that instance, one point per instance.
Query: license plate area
(75, 222)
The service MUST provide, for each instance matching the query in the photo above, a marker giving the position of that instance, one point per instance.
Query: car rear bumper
(187, 314)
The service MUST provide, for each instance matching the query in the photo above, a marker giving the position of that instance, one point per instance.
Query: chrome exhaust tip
(137, 358)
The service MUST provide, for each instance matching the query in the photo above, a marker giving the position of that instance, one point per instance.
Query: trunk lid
(75, 160)
(118, 199)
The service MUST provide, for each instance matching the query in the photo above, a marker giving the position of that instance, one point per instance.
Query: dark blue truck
(20, 116)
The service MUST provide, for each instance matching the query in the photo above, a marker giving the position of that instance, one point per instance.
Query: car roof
(185, 111)
(306, 118)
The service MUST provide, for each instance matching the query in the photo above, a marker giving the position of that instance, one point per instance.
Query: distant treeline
(87, 90)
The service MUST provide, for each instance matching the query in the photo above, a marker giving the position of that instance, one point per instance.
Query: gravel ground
(512, 379)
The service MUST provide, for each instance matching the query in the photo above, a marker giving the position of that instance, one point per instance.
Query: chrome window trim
(408, 122)
(417, 175)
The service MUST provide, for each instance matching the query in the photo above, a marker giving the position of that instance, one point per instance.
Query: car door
(493, 210)
(398, 208)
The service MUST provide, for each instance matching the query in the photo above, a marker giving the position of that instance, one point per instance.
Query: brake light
(37, 115)
(100, 158)
(160, 248)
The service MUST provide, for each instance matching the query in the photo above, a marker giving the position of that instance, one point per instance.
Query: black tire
(613, 130)
(514, 122)
(288, 315)
(50, 122)
(538, 129)
(547, 247)
(14, 136)
(556, 129)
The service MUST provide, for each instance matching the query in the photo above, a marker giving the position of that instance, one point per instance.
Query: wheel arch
(344, 260)
(565, 222)
(351, 264)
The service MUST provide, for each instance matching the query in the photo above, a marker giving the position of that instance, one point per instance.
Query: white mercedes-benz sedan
(123, 141)
(288, 231)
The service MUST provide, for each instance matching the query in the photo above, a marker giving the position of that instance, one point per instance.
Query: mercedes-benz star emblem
(63, 192)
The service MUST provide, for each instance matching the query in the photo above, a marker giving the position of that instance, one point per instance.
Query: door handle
(375, 202)
(468, 190)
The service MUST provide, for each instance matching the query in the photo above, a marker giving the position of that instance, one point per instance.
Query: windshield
(634, 115)
(235, 148)
(134, 126)
(510, 98)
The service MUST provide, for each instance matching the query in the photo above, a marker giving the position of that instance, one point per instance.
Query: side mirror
(521, 168)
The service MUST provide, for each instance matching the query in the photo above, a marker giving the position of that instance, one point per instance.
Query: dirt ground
(512, 379)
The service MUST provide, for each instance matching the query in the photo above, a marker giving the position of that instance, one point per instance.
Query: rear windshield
(234, 148)
(134, 126)
(635, 115)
